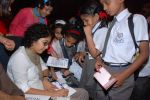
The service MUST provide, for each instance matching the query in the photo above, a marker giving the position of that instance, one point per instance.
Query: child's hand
(99, 64)
(66, 72)
(88, 30)
(80, 57)
(54, 76)
(120, 79)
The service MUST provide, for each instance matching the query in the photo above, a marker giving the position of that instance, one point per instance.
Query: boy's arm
(143, 56)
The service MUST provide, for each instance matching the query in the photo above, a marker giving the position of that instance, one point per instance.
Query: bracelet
(97, 56)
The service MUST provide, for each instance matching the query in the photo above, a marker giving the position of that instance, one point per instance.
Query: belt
(117, 64)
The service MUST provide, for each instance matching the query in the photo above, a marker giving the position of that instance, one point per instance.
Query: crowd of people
(101, 36)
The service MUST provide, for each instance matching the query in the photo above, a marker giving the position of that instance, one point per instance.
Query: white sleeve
(19, 66)
(99, 38)
(43, 65)
(140, 27)
(81, 46)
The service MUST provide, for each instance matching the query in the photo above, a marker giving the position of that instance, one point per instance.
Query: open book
(57, 62)
(103, 77)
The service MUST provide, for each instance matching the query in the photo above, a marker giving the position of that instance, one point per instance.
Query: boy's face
(113, 7)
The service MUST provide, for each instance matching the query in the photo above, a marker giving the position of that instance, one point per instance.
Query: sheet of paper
(60, 86)
(60, 78)
(103, 77)
(76, 69)
(36, 97)
(57, 62)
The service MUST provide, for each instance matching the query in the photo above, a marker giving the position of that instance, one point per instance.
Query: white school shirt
(121, 48)
(145, 71)
(56, 46)
(98, 37)
(23, 72)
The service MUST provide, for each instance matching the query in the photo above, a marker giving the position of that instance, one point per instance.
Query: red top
(3, 29)
(22, 21)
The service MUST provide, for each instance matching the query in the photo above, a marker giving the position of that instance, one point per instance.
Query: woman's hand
(9, 44)
(61, 92)
(48, 86)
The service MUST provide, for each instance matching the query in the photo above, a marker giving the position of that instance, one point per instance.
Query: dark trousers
(142, 89)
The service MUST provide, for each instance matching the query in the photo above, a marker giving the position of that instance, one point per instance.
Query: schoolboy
(120, 50)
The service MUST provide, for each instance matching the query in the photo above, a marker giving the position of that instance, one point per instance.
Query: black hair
(74, 31)
(42, 3)
(54, 26)
(91, 8)
(4, 7)
(34, 33)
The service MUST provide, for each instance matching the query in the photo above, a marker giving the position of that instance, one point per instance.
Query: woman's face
(58, 34)
(40, 45)
(46, 11)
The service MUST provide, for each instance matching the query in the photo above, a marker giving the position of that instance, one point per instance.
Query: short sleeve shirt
(121, 48)
(99, 36)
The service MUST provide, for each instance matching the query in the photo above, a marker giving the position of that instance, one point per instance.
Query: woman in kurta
(28, 71)
(28, 16)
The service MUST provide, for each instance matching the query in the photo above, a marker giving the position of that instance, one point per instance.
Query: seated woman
(29, 16)
(28, 71)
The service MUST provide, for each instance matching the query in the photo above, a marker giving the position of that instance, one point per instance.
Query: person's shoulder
(19, 53)
(102, 30)
(139, 18)
(26, 10)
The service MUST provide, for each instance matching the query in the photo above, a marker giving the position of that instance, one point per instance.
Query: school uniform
(69, 52)
(87, 80)
(120, 51)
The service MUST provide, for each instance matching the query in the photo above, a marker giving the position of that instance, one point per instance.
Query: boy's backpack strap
(131, 28)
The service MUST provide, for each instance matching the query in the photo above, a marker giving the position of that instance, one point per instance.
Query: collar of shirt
(122, 14)
(96, 26)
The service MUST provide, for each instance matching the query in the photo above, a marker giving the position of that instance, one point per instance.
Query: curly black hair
(34, 33)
